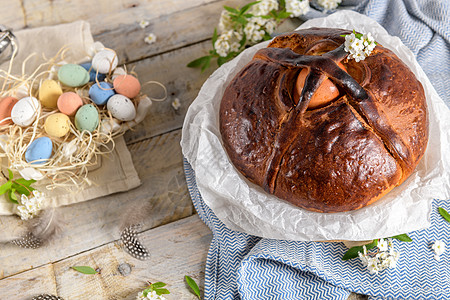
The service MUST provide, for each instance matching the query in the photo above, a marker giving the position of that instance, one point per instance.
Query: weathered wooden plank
(162, 198)
(172, 31)
(103, 14)
(34, 282)
(177, 249)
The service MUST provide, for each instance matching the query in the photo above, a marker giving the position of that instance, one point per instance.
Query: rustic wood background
(176, 237)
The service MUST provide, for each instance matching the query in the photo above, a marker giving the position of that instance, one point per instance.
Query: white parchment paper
(245, 207)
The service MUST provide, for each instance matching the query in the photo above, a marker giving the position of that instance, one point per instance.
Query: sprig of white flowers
(359, 46)
(381, 257)
(30, 205)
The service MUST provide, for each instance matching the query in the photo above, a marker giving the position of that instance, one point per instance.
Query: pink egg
(69, 103)
(6, 105)
(127, 85)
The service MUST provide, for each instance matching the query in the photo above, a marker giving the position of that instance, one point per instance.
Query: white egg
(121, 108)
(105, 61)
(24, 112)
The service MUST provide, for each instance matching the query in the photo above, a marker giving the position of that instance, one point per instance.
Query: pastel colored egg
(101, 92)
(49, 92)
(6, 105)
(57, 125)
(87, 118)
(121, 108)
(127, 85)
(93, 73)
(24, 112)
(69, 103)
(39, 151)
(73, 75)
(105, 61)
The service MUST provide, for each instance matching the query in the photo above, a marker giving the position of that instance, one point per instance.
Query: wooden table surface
(177, 239)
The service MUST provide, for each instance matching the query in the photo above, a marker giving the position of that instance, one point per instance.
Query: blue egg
(92, 72)
(39, 151)
(101, 94)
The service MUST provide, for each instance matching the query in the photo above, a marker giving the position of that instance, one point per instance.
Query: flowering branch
(377, 255)
(251, 24)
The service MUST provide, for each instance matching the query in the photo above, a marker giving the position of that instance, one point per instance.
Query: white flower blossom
(227, 41)
(382, 245)
(150, 296)
(150, 39)
(329, 4)
(30, 206)
(257, 27)
(144, 23)
(225, 22)
(381, 257)
(264, 7)
(438, 248)
(359, 47)
(176, 104)
(297, 7)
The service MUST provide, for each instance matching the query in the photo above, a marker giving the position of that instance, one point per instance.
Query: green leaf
(247, 7)
(206, 64)
(199, 62)
(214, 37)
(353, 252)
(241, 20)
(282, 3)
(193, 285)
(283, 15)
(221, 60)
(5, 187)
(158, 285)
(22, 189)
(402, 237)
(146, 291)
(11, 175)
(160, 292)
(25, 182)
(84, 270)
(12, 196)
(444, 214)
(231, 10)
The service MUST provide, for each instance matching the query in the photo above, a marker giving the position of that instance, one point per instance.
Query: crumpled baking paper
(245, 207)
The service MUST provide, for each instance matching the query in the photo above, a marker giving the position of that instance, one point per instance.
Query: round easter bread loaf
(364, 134)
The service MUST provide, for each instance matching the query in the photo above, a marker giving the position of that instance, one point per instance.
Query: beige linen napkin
(115, 172)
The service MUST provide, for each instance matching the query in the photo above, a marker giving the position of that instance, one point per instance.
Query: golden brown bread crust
(340, 157)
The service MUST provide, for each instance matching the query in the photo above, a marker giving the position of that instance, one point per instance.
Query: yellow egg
(57, 125)
(49, 92)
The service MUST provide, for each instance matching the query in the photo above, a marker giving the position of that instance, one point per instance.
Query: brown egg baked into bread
(335, 155)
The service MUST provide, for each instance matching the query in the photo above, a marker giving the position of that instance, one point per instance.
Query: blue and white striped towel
(242, 266)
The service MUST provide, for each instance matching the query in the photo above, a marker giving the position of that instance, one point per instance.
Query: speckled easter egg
(6, 105)
(39, 151)
(24, 112)
(49, 92)
(73, 75)
(127, 85)
(105, 61)
(69, 103)
(101, 92)
(93, 73)
(87, 118)
(121, 108)
(57, 125)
